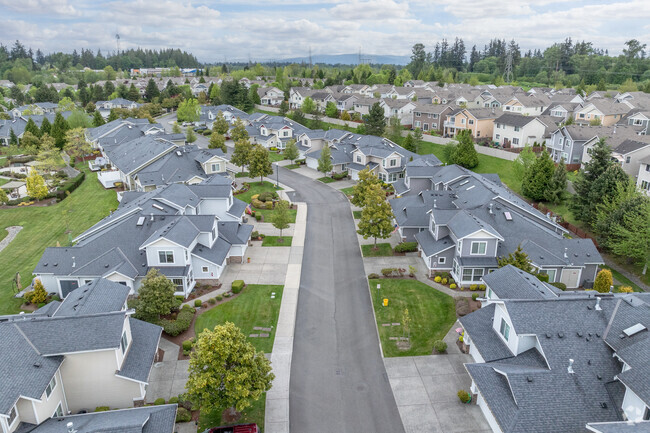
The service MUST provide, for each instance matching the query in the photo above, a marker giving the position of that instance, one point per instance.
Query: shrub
(443, 281)
(159, 401)
(559, 285)
(38, 294)
(267, 196)
(173, 400)
(481, 286)
(258, 218)
(603, 281)
(237, 286)
(227, 295)
(625, 289)
(187, 345)
(212, 301)
(387, 272)
(463, 396)
(542, 277)
(474, 296)
(452, 286)
(473, 287)
(197, 302)
(183, 415)
(373, 276)
(180, 297)
(187, 352)
(440, 346)
(219, 297)
(406, 247)
(181, 324)
(102, 409)
(437, 279)
(255, 234)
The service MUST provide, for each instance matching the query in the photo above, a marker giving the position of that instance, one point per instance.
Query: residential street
(338, 379)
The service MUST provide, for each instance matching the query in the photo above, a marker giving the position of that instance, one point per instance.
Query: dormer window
(166, 256)
(12, 415)
(504, 330)
(124, 343)
(479, 248)
(50, 387)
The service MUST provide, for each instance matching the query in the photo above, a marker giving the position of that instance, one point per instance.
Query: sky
(264, 30)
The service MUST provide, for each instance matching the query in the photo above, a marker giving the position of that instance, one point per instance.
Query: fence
(570, 227)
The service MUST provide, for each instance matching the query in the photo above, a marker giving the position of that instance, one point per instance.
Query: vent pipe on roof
(597, 308)
(491, 213)
(151, 216)
(70, 426)
(435, 204)
(570, 369)
(73, 262)
(566, 256)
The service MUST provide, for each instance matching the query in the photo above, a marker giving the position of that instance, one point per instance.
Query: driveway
(338, 380)
(425, 389)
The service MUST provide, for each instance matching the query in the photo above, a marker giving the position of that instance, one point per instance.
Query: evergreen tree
(376, 216)
(259, 163)
(152, 91)
(537, 178)
(631, 234)
(376, 122)
(284, 108)
(409, 143)
(331, 110)
(463, 153)
(299, 117)
(190, 136)
(601, 160)
(13, 138)
(112, 115)
(518, 259)
(133, 94)
(603, 190)
(557, 185)
(31, 127)
(325, 160)
(59, 128)
(98, 119)
(46, 127)
(604, 281)
(241, 154)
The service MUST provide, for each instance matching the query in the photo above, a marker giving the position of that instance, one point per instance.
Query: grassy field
(254, 414)
(326, 179)
(253, 307)
(274, 241)
(356, 214)
(431, 312)
(348, 190)
(3, 181)
(3, 234)
(623, 280)
(383, 249)
(43, 227)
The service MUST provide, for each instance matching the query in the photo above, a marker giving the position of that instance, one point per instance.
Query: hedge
(159, 401)
(237, 286)
(183, 415)
(181, 324)
(559, 285)
(406, 247)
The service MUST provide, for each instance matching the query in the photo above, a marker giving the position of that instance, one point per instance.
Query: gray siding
(490, 250)
(449, 257)
(417, 185)
(409, 234)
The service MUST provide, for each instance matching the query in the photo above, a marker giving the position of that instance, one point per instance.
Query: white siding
(633, 406)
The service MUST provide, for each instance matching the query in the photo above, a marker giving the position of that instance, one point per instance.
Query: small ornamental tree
(280, 217)
(376, 215)
(218, 141)
(220, 124)
(308, 105)
(238, 131)
(226, 371)
(3, 197)
(359, 192)
(241, 154)
(291, 150)
(76, 145)
(259, 163)
(325, 160)
(155, 296)
(176, 128)
(38, 294)
(604, 281)
(36, 187)
(190, 136)
(189, 111)
(518, 259)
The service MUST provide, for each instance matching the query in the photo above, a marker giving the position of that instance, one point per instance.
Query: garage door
(68, 286)
(570, 277)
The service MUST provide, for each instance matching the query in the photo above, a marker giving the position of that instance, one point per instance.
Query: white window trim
(205, 269)
(51, 388)
(471, 249)
(504, 329)
(165, 252)
(442, 260)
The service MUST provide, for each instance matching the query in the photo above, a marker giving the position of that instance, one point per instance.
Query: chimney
(73, 262)
(570, 369)
(597, 308)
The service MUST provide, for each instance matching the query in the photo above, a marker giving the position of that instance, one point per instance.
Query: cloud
(61, 8)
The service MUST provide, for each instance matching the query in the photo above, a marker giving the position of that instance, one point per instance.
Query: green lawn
(274, 157)
(383, 249)
(254, 414)
(253, 307)
(3, 234)
(326, 179)
(43, 227)
(3, 181)
(563, 209)
(274, 241)
(356, 214)
(292, 166)
(347, 191)
(258, 188)
(431, 312)
(623, 280)
(241, 174)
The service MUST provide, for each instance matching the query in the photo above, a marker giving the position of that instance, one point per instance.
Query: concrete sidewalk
(276, 417)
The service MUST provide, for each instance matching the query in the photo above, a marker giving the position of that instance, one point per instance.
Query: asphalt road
(338, 379)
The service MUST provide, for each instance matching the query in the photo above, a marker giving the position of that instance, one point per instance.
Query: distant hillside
(351, 59)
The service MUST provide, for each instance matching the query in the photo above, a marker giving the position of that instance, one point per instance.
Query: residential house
(479, 121)
(363, 104)
(37, 108)
(561, 111)
(400, 108)
(643, 176)
(273, 131)
(516, 130)
(17, 125)
(584, 370)
(415, 83)
(379, 91)
(528, 105)
(210, 112)
(639, 118)
(343, 101)
(270, 95)
(603, 110)
(85, 352)
(463, 222)
(628, 147)
(105, 107)
(429, 117)
(188, 232)
(297, 96)
(567, 142)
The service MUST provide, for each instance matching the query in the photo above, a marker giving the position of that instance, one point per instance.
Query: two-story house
(209, 114)
(604, 111)
(581, 371)
(516, 130)
(105, 107)
(273, 131)
(628, 147)
(75, 355)
(527, 105)
(643, 176)
(479, 121)
(567, 142)
(270, 95)
(400, 108)
(463, 222)
(429, 117)
(189, 232)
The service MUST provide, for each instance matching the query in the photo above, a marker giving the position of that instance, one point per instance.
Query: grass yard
(258, 188)
(383, 249)
(292, 166)
(326, 179)
(274, 241)
(3, 234)
(356, 214)
(43, 227)
(3, 181)
(253, 307)
(253, 414)
(563, 209)
(274, 157)
(347, 191)
(623, 280)
(241, 174)
(431, 312)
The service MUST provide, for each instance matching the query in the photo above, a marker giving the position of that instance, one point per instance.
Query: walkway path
(71, 172)
(13, 232)
(338, 381)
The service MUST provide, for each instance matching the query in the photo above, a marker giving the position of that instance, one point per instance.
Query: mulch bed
(203, 290)
(42, 203)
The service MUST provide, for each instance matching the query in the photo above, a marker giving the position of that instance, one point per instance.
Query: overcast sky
(269, 29)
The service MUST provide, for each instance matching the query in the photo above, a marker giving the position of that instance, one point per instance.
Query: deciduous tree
(331, 110)
(155, 296)
(218, 141)
(360, 191)
(280, 216)
(325, 160)
(76, 144)
(241, 155)
(308, 105)
(291, 150)
(189, 111)
(220, 124)
(376, 215)
(190, 136)
(259, 163)
(238, 131)
(36, 187)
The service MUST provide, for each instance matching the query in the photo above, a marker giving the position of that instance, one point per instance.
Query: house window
(515, 141)
(442, 260)
(467, 274)
(581, 115)
(392, 177)
(488, 293)
(425, 127)
(59, 411)
(166, 256)
(471, 121)
(497, 136)
(215, 167)
(551, 274)
(417, 123)
(417, 114)
(434, 115)
(178, 282)
(50, 387)
(124, 342)
(516, 129)
(645, 185)
(358, 158)
(462, 121)
(627, 160)
(393, 162)
(382, 177)
(479, 248)
(204, 269)
(505, 329)
(12, 416)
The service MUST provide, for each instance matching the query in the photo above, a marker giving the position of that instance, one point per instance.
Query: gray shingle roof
(510, 282)
(620, 427)
(98, 296)
(142, 350)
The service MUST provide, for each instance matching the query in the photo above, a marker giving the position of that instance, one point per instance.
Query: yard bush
(473, 287)
(440, 346)
(463, 396)
(38, 295)
(237, 286)
(187, 344)
(437, 279)
(339, 176)
(159, 401)
(406, 247)
(227, 295)
(212, 301)
(268, 196)
(559, 285)
(102, 409)
(474, 296)
(255, 235)
(183, 415)
(387, 272)
(542, 277)
(173, 400)
(300, 161)
(443, 281)
(625, 289)
(197, 302)
(258, 218)
(181, 324)
(481, 286)
(374, 276)
(452, 286)
(219, 298)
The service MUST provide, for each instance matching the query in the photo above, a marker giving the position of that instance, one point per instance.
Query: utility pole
(507, 75)
(310, 64)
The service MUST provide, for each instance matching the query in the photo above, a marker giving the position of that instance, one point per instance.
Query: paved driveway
(338, 381)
